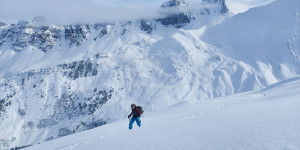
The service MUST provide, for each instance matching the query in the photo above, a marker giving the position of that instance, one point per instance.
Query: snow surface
(199, 61)
(265, 119)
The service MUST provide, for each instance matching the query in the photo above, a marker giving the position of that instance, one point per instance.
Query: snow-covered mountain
(267, 38)
(57, 80)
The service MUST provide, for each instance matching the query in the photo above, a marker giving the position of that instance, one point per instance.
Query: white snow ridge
(207, 79)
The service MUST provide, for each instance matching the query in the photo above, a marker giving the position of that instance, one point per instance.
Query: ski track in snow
(80, 143)
(72, 146)
(192, 116)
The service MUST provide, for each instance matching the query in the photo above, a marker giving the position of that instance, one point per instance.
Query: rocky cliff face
(34, 89)
(220, 4)
(76, 34)
(174, 3)
(24, 34)
(180, 17)
(146, 25)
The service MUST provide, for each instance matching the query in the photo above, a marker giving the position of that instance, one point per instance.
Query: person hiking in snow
(136, 112)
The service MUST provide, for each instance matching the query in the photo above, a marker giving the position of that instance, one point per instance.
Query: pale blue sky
(238, 6)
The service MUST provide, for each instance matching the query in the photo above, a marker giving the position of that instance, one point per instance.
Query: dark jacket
(134, 113)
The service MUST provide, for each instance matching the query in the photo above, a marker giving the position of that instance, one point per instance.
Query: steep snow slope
(266, 119)
(266, 38)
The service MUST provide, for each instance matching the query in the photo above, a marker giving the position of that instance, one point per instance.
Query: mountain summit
(174, 3)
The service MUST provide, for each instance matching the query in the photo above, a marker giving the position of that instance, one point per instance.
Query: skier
(136, 113)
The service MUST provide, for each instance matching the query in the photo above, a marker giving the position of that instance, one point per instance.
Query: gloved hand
(129, 116)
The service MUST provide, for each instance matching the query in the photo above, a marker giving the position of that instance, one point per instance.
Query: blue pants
(132, 120)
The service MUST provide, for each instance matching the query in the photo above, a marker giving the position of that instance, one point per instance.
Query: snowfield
(265, 119)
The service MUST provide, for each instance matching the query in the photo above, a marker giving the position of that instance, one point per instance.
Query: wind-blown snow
(266, 119)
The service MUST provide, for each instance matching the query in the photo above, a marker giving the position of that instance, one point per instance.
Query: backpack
(140, 109)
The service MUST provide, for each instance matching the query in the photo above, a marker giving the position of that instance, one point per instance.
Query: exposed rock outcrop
(179, 18)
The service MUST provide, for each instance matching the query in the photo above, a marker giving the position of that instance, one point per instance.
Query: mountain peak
(2, 24)
(176, 18)
(222, 6)
(174, 3)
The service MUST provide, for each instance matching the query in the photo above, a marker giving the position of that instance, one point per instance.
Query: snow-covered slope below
(265, 119)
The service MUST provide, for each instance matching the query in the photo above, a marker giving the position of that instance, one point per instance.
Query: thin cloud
(97, 11)
(74, 11)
